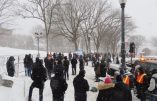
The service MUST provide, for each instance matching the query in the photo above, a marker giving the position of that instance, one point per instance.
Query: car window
(153, 66)
(145, 65)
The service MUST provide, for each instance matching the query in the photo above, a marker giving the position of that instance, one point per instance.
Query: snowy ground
(19, 91)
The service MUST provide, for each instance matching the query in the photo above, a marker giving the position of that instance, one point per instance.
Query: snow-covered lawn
(19, 91)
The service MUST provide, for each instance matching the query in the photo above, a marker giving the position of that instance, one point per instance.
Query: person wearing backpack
(58, 86)
(66, 66)
(39, 76)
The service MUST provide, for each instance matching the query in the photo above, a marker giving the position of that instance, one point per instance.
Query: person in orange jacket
(128, 80)
(142, 83)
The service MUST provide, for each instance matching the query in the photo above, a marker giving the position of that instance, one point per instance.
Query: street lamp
(122, 4)
(38, 36)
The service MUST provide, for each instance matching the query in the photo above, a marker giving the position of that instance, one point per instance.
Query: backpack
(39, 74)
(54, 84)
(58, 85)
(66, 63)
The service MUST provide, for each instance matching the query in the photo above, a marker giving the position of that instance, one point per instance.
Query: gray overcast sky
(143, 12)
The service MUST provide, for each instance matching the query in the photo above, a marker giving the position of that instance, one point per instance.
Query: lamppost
(122, 4)
(38, 36)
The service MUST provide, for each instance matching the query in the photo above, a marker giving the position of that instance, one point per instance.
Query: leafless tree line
(91, 20)
(5, 14)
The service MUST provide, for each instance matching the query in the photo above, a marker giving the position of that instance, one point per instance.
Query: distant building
(5, 35)
(5, 32)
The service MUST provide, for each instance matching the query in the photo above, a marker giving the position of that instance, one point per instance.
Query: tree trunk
(97, 48)
(47, 43)
(76, 45)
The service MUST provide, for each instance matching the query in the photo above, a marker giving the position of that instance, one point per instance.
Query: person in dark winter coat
(124, 89)
(70, 56)
(60, 57)
(49, 64)
(66, 68)
(103, 68)
(11, 66)
(117, 60)
(108, 91)
(93, 61)
(39, 76)
(58, 86)
(97, 71)
(25, 64)
(29, 64)
(59, 66)
(80, 86)
(73, 63)
(81, 61)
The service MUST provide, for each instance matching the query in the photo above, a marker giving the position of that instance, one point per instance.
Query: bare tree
(138, 40)
(70, 16)
(112, 37)
(41, 10)
(96, 10)
(96, 25)
(5, 14)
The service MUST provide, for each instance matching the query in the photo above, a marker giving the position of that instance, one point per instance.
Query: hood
(102, 86)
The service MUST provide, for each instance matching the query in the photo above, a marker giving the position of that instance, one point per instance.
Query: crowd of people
(113, 88)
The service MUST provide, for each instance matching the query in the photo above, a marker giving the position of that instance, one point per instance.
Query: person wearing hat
(80, 86)
(141, 83)
(109, 91)
(10, 66)
(128, 79)
(39, 76)
(106, 90)
(58, 85)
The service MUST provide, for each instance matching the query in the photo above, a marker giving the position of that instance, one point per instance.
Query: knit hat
(107, 79)
(82, 73)
(119, 78)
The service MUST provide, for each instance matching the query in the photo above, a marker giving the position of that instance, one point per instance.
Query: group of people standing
(58, 66)
(28, 63)
(111, 89)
